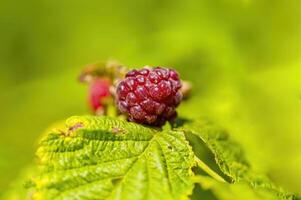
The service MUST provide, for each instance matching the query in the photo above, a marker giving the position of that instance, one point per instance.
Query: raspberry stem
(208, 170)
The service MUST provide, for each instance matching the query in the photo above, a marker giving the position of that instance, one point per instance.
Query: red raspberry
(150, 96)
(99, 90)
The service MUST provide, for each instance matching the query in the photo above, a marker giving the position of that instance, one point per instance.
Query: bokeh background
(243, 57)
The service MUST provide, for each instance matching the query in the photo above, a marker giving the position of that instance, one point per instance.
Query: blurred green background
(243, 57)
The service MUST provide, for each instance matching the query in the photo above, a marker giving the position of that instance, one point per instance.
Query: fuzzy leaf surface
(106, 158)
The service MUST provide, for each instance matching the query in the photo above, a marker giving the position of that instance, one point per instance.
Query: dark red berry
(99, 90)
(150, 95)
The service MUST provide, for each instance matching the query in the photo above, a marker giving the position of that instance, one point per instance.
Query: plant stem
(209, 171)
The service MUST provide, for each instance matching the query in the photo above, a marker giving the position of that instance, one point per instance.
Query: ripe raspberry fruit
(98, 91)
(150, 96)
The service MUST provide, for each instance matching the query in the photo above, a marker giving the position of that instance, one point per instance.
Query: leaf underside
(106, 158)
(232, 161)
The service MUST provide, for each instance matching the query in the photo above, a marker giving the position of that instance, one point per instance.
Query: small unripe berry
(99, 90)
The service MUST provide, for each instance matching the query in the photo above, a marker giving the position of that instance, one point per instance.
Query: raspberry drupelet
(150, 95)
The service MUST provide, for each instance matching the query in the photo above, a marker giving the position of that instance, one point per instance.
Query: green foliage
(107, 158)
(232, 162)
(235, 191)
(243, 57)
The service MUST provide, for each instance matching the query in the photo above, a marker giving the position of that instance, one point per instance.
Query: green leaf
(106, 158)
(228, 154)
(232, 161)
(224, 191)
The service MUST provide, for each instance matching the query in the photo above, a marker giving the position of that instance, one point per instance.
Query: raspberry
(150, 96)
(99, 90)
